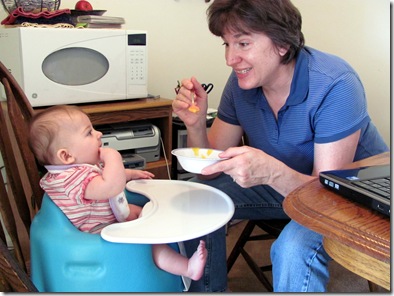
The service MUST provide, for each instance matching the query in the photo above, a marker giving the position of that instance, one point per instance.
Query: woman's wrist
(284, 179)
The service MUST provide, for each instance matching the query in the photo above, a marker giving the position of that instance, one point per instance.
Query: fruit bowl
(33, 6)
(195, 159)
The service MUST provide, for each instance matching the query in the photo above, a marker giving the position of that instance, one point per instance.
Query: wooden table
(354, 236)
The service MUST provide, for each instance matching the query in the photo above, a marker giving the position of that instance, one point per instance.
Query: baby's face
(82, 141)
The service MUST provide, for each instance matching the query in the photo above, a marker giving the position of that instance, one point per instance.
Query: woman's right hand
(183, 101)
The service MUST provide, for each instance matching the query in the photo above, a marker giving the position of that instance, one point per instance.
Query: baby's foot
(197, 262)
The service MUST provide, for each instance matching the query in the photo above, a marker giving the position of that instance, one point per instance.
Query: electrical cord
(165, 157)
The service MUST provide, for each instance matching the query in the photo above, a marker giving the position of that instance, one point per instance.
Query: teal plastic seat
(64, 259)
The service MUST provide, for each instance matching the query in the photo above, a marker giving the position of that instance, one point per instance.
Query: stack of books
(99, 21)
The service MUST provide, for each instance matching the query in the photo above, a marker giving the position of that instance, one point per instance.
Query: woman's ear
(283, 50)
(65, 157)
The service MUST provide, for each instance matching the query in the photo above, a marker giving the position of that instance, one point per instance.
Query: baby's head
(63, 134)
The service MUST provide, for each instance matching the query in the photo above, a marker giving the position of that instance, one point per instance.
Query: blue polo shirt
(326, 103)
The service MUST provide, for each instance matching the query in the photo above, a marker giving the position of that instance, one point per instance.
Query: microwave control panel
(137, 66)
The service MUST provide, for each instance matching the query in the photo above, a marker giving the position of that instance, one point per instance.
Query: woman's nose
(232, 57)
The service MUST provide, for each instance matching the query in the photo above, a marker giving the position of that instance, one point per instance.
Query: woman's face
(254, 58)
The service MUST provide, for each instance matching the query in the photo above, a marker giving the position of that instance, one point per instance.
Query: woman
(302, 110)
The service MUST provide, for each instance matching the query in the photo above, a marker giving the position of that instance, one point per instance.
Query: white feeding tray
(194, 160)
(177, 211)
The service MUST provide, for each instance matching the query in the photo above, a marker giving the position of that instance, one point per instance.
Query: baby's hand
(109, 154)
(138, 174)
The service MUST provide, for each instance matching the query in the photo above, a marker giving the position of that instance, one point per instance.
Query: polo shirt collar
(300, 84)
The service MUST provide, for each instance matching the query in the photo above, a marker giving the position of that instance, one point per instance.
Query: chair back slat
(14, 279)
(13, 175)
(10, 224)
(20, 193)
(20, 112)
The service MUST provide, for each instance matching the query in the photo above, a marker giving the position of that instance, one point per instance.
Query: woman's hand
(250, 167)
(247, 166)
(183, 101)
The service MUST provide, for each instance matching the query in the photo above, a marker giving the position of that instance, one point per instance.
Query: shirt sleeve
(69, 186)
(342, 111)
(226, 110)
(88, 175)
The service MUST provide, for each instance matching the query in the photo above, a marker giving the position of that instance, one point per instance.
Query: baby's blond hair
(44, 129)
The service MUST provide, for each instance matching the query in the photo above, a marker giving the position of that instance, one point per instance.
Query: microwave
(71, 66)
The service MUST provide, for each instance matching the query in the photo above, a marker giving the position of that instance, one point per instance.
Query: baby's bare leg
(169, 260)
(197, 262)
(135, 212)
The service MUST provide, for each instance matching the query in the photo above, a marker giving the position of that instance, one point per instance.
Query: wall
(180, 44)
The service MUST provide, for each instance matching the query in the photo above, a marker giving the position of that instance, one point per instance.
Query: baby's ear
(65, 157)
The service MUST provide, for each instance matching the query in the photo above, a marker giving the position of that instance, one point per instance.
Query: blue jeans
(299, 260)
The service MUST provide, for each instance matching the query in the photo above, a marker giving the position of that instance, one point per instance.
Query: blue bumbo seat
(64, 259)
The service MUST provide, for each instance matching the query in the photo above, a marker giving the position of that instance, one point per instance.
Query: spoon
(193, 108)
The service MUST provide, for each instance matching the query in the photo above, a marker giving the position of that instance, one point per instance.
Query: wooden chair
(272, 229)
(13, 277)
(16, 210)
(20, 112)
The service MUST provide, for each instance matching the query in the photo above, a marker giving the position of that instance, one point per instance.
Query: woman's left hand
(247, 166)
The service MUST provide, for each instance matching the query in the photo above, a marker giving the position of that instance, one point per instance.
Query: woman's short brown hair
(280, 20)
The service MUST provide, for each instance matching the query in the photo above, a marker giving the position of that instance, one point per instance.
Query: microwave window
(75, 66)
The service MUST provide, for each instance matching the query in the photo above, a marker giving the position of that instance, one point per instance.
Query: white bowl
(194, 160)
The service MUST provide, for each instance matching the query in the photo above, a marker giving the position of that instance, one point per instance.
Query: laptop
(369, 185)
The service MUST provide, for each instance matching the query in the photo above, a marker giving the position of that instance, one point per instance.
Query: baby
(87, 181)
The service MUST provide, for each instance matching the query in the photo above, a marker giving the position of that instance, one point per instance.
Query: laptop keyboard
(378, 186)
